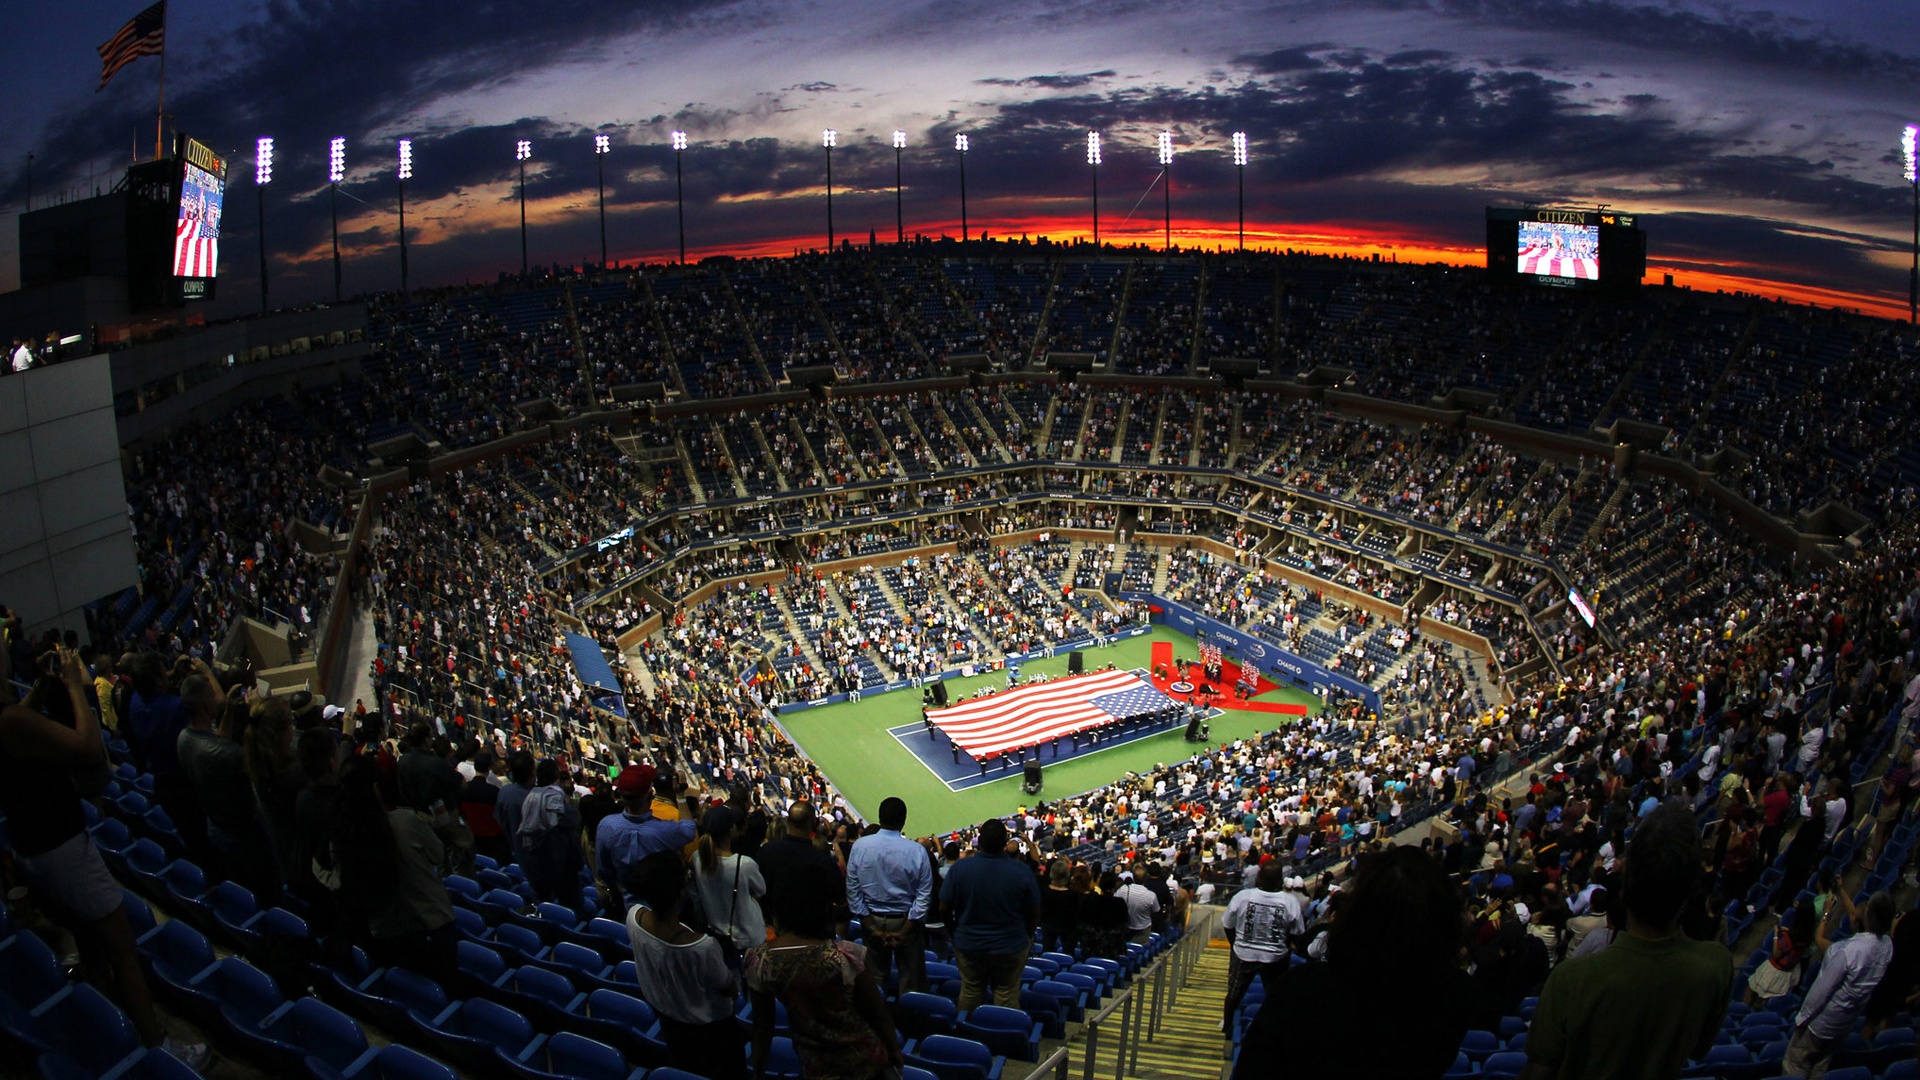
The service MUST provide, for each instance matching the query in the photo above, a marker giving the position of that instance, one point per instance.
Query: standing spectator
(791, 851)
(389, 867)
(682, 972)
(1058, 906)
(156, 717)
(1787, 949)
(729, 884)
(513, 800)
(836, 1016)
(216, 765)
(1896, 987)
(277, 780)
(313, 812)
(995, 904)
(626, 839)
(54, 856)
(1260, 925)
(1142, 907)
(480, 808)
(1850, 970)
(550, 838)
(1400, 931)
(1653, 998)
(430, 784)
(889, 885)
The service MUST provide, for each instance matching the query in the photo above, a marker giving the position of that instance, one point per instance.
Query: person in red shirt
(1773, 817)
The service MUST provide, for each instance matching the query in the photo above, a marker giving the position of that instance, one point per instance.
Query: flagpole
(160, 111)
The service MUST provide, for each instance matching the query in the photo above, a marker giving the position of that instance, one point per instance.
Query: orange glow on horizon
(490, 213)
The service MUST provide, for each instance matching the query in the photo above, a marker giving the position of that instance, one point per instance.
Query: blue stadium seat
(1005, 1032)
(174, 954)
(243, 995)
(566, 1056)
(469, 1031)
(150, 1063)
(951, 1058)
(79, 1023)
(622, 1020)
(1506, 1063)
(1071, 999)
(186, 886)
(390, 1062)
(480, 967)
(918, 1015)
(547, 997)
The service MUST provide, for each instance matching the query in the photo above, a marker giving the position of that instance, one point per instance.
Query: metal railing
(1140, 1007)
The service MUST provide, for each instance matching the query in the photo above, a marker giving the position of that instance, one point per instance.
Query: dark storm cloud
(1417, 56)
(1757, 38)
(1053, 82)
(1279, 61)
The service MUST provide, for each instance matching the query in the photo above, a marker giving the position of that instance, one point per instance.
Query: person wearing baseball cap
(634, 833)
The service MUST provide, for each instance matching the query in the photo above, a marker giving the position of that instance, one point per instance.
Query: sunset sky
(1760, 143)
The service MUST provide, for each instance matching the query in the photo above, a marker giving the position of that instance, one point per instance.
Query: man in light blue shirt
(1849, 972)
(889, 886)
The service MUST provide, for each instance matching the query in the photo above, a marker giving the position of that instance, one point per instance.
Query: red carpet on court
(1163, 675)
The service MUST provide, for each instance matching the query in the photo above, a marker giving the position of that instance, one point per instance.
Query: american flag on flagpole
(1022, 717)
(144, 35)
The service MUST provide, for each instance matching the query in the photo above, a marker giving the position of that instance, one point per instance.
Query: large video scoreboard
(202, 188)
(1569, 248)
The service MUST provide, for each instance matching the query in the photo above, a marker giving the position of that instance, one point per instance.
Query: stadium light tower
(960, 147)
(899, 222)
(406, 173)
(829, 139)
(1166, 175)
(522, 150)
(680, 192)
(262, 176)
(1093, 166)
(336, 172)
(602, 144)
(1908, 149)
(1240, 169)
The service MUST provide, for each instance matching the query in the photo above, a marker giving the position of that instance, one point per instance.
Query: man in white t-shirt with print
(1260, 924)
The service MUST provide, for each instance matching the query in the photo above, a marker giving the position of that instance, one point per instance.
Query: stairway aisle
(1188, 1044)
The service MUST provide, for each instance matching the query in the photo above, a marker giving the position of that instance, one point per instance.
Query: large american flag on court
(144, 35)
(1048, 710)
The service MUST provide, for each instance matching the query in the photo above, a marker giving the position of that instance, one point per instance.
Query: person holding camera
(41, 758)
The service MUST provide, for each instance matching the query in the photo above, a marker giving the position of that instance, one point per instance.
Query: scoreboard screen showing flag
(1554, 249)
(196, 234)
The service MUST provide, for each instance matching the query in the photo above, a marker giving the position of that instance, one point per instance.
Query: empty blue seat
(918, 1015)
(150, 1063)
(951, 1058)
(1071, 999)
(469, 1031)
(390, 1062)
(243, 995)
(1005, 1032)
(567, 1056)
(291, 1031)
(523, 940)
(480, 967)
(29, 975)
(1506, 1063)
(80, 1024)
(186, 885)
(623, 1021)
(1479, 1044)
(175, 953)
(548, 997)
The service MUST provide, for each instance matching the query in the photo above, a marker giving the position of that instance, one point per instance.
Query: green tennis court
(851, 745)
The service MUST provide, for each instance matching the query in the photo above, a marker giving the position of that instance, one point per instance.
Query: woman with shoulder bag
(682, 972)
